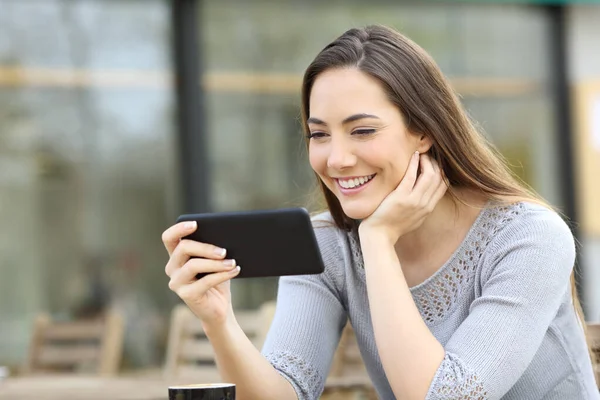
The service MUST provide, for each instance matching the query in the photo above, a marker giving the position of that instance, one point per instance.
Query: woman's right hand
(209, 297)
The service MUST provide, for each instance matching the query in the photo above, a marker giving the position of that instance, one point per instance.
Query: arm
(526, 269)
(303, 336)
(308, 322)
(297, 354)
(524, 280)
(409, 353)
(240, 362)
(302, 339)
(210, 299)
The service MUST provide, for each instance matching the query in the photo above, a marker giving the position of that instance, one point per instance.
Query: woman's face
(359, 145)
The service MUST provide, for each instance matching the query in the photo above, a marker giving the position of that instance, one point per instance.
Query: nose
(341, 155)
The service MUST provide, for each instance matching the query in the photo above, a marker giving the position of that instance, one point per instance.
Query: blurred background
(116, 116)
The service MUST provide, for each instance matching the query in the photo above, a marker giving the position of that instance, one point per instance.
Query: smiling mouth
(355, 182)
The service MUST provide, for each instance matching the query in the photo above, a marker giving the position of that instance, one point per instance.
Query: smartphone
(264, 243)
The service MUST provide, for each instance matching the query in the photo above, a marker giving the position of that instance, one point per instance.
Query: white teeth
(352, 183)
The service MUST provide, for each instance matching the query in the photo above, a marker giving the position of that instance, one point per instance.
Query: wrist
(220, 327)
(367, 234)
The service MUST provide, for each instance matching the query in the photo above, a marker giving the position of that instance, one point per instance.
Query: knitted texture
(500, 305)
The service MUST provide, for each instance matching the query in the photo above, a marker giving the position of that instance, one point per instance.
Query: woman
(455, 277)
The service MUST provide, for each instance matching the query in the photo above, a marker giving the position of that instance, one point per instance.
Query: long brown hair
(429, 105)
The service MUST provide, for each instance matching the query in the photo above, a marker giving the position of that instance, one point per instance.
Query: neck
(444, 223)
(441, 220)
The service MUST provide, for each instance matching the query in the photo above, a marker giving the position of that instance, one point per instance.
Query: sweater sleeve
(524, 279)
(308, 322)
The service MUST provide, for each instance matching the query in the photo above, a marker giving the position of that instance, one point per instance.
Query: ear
(424, 143)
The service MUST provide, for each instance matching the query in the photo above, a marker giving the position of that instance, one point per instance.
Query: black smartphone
(263, 243)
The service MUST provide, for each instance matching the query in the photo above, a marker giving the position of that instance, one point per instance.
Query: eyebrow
(347, 120)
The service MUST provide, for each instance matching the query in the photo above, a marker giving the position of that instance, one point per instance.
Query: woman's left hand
(405, 208)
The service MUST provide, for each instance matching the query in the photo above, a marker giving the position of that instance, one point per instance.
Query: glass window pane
(86, 161)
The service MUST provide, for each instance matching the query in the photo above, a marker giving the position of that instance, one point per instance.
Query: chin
(357, 211)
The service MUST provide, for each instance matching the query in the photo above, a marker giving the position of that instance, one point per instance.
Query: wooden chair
(348, 377)
(190, 354)
(86, 346)
(593, 331)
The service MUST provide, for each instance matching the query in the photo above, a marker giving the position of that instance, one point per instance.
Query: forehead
(338, 93)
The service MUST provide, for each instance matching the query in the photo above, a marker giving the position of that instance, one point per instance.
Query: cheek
(316, 159)
(400, 167)
(393, 160)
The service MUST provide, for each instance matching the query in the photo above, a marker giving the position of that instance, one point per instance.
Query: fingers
(410, 177)
(187, 249)
(200, 287)
(187, 273)
(216, 279)
(172, 236)
(429, 179)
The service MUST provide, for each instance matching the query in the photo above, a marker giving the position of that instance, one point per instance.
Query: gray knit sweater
(501, 307)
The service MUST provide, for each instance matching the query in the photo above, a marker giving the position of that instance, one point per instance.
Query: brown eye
(362, 132)
(315, 135)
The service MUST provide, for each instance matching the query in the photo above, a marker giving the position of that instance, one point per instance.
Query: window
(255, 53)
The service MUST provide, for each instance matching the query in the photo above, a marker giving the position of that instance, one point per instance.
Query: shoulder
(326, 231)
(531, 236)
(532, 222)
(330, 239)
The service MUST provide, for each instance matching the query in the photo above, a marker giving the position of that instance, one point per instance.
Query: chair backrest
(189, 353)
(87, 346)
(593, 331)
(347, 360)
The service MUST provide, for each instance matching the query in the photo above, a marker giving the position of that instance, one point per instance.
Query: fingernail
(229, 263)
(220, 252)
(236, 270)
(190, 225)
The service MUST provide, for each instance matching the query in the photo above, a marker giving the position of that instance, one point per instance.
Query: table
(144, 387)
(84, 388)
